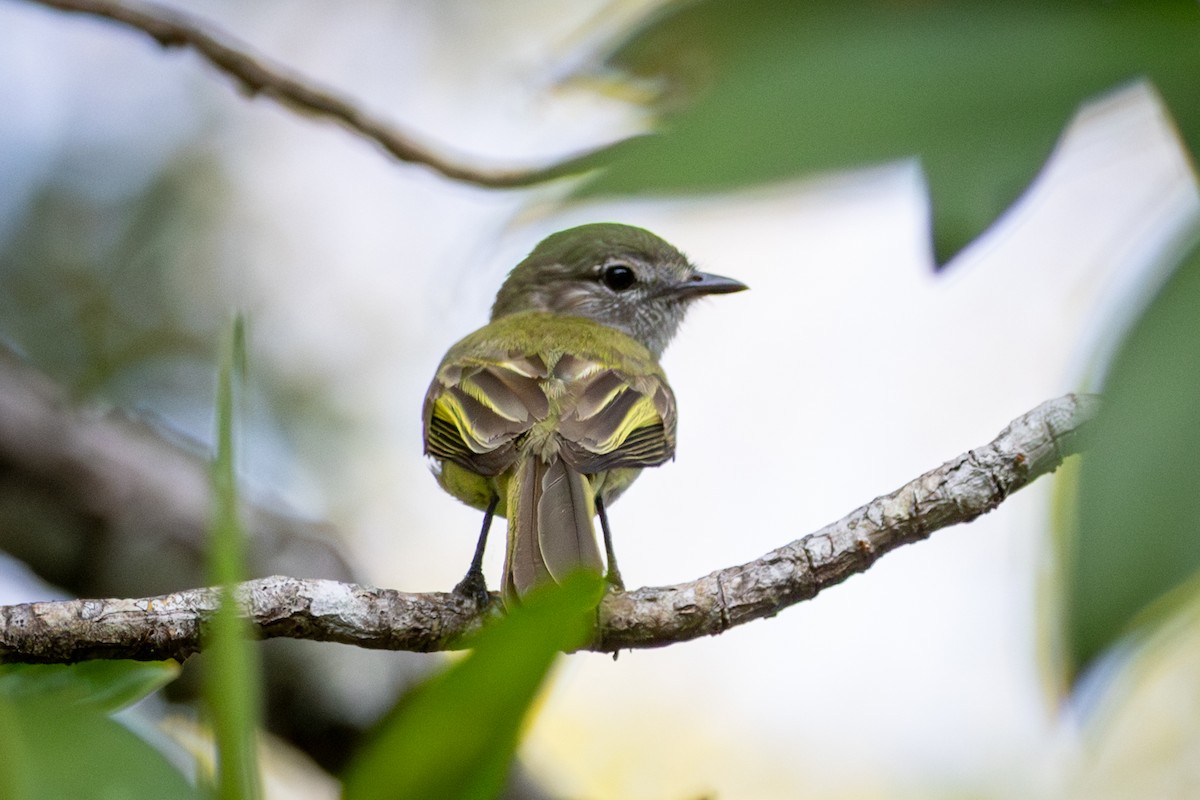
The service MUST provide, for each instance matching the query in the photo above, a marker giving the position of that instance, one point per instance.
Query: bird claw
(474, 588)
(614, 579)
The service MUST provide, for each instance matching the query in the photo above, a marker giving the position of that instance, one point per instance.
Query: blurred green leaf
(87, 287)
(762, 90)
(50, 748)
(1136, 545)
(454, 736)
(231, 675)
(107, 685)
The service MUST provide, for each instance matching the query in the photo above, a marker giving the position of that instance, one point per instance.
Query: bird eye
(618, 277)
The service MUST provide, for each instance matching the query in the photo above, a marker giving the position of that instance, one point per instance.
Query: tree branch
(958, 491)
(256, 75)
(103, 504)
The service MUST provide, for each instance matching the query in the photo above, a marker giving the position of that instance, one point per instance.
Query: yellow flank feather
(472, 488)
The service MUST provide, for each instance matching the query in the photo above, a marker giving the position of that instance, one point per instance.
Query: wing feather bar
(514, 396)
(618, 422)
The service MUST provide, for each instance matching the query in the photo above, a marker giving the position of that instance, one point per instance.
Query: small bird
(547, 413)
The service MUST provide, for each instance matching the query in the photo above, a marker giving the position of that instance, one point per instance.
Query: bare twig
(256, 75)
(958, 491)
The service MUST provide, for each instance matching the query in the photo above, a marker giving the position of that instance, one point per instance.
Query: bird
(550, 411)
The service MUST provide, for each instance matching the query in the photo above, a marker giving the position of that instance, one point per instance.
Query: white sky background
(921, 674)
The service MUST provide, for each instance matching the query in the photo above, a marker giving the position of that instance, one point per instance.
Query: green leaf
(50, 748)
(1135, 552)
(761, 90)
(454, 736)
(107, 685)
(231, 675)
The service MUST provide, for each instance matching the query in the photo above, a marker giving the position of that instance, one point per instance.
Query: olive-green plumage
(549, 412)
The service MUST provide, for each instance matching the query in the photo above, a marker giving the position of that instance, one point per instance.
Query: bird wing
(476, 409)
(605, 398)
(614, 418)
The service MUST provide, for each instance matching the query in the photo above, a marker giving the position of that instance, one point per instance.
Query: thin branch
(256, 75)
(105, 504)
(958, 491)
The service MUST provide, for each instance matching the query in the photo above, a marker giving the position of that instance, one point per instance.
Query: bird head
(617, 275)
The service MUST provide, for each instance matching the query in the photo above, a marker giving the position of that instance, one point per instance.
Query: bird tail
(550, 530)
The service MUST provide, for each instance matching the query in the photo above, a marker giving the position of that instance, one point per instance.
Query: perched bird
(547, 414)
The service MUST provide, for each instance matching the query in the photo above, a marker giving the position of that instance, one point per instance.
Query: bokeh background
(143, 200)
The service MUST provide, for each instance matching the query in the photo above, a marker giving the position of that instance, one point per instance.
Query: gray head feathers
(618, 275)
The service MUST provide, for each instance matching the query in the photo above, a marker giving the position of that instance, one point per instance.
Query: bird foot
(614, 579)
(474, 587)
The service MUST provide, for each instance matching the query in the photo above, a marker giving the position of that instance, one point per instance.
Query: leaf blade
(231, 675)
(1136, 544)
(107, 685)
(978, 92)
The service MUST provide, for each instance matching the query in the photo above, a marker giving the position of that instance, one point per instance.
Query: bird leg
(614, 574)
(474, 585)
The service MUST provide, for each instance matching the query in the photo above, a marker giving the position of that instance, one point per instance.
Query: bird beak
(702, 283)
